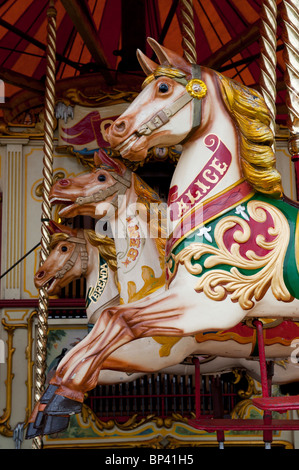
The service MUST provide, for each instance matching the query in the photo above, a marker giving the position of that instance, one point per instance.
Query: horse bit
(80, 248)
(194, 89)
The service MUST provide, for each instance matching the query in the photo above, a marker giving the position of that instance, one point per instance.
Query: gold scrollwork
(251, 386)
(5, 428)
(133, 422)
(217, 283)
(75, 96)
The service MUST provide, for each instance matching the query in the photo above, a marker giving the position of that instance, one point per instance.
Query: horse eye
(102, 178)
(64, 248)
(163, 87)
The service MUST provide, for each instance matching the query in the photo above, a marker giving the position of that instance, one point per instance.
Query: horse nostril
(40, 275)
(64, 182)
(120, 126)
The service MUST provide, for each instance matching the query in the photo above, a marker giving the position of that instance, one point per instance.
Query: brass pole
(188, 31)
(268, 59)
(49, 119)
(290, 35)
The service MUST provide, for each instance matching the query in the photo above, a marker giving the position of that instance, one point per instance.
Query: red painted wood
(212, 425)
(33, 303)
(197, 387)
(263, 367)
(280, 404)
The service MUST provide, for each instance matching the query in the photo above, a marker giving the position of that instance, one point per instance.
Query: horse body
(138, 355)
(214, 154)
(215, 214)
(217, 353)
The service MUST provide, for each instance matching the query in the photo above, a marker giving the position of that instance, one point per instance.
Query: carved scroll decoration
(218, 283)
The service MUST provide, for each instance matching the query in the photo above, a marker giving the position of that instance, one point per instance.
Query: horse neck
(137, 254)
(100, 283)
(210, 159)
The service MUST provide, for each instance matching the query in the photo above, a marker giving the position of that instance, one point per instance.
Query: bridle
(195, 89)
(80, 249)
(123, 182)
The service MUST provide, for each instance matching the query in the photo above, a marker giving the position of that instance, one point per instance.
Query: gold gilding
(175, 74)
(217, 283)
(252, 117)
(196, 88)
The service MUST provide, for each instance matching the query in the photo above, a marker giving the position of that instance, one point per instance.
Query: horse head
(167, 110)
(183, 103)
(81, 195)
(68, 259)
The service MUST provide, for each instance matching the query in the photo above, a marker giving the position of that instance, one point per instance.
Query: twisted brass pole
(49, 119)
(188, 31)
(290, 35)
(268, 59)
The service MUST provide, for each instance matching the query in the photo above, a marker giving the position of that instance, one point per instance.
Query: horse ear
(55, 227)
(147, 65)
(168, 57)
(101, 158)
(96, 158)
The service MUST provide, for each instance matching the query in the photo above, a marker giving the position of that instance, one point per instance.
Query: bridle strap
(196, 121)
(123, 182)
(80, 248)
(163, 116)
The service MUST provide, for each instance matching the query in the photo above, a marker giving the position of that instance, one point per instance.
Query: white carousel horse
(77, 253)
(231, 252)
(129, 204)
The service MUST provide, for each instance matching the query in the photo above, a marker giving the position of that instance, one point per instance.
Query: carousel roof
(99, 38)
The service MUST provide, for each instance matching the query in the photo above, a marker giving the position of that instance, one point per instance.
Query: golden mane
(252, 117)
(156, 214)
(105, 246)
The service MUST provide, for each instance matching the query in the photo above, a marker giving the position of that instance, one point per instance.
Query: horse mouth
(125, 147)
(48, 283)
(66, 203)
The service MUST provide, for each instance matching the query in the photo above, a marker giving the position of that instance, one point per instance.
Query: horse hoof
(39, 421)
(55, 424)
(48, 394)
(60, 405)
(32, 431)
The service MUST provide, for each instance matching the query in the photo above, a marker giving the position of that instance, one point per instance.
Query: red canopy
(101, 36)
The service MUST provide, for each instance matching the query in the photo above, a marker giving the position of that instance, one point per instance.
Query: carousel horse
(232, 250)
(98, 267)
(136, 251)
(79, 253)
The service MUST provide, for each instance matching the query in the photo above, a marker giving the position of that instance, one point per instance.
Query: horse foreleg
(127, 323)
(81, 376)
(76, 353)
